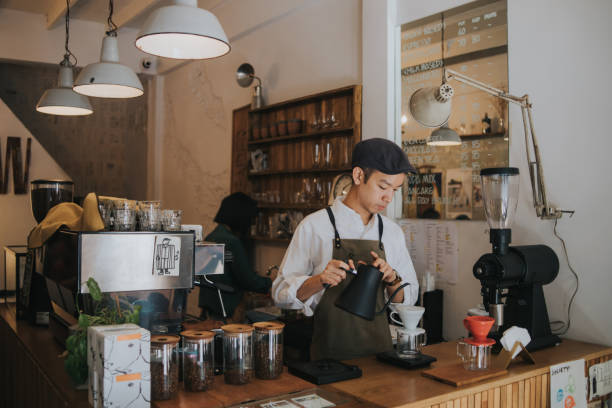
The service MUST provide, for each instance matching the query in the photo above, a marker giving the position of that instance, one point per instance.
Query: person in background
(331, 241)
(234, 218)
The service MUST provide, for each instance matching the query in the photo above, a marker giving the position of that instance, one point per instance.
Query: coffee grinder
(512, 277)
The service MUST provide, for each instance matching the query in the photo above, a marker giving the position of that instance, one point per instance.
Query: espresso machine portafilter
(512, 277)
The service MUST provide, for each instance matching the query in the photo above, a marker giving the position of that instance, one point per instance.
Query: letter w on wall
(20, 174)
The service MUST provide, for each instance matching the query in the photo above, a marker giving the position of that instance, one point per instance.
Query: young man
(330, 241)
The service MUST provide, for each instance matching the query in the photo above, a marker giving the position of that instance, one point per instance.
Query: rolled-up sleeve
(296, 268)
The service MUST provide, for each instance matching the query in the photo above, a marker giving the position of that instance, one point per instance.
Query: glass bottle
(237, 353)
(268, 349)
(164, 367)
(198, 359)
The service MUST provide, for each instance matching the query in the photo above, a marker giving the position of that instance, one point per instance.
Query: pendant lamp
(183, 31)
(444, 136)
(108, 78)
(63, 100)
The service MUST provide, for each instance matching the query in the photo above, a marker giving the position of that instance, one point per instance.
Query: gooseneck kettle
(359, 297)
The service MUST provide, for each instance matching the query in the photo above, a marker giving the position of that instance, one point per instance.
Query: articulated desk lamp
(511, 277)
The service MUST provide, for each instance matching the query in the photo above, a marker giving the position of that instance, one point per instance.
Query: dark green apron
(339, 334)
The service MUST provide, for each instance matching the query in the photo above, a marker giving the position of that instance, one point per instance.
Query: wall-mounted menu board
(471, 39)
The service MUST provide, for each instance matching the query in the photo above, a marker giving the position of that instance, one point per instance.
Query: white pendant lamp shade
(108, 78)
(444, 136)
(431, 107)
(63, 100)
(183, 31)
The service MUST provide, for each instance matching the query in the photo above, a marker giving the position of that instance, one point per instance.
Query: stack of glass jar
(268, 349)
(131, 215)
(198, 360)
(237, 353)
(164, 367)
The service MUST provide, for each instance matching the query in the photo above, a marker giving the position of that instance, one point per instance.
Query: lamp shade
(63, 100)
(444, 136)
(183, 31)
(431, 107)
(108, 78)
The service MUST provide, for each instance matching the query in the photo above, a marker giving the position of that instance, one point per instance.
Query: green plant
(106, 312)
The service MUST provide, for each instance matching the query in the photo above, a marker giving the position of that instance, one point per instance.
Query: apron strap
(338, 242)
(380, 232)
(332, 219)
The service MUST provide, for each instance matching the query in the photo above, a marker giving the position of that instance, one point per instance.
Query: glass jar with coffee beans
(164, 367)
(237, 353)
(198, 360)
(268, 349)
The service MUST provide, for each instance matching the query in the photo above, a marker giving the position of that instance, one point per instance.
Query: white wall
(16, 218)
(24, 37)
(297, 47)
(559, 54)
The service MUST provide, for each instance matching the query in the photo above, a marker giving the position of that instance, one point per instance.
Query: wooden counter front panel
(529, 393)
(23, 383)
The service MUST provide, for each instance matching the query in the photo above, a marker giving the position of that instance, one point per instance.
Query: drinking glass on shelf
(315, 124)
(316, 155)
(343, 151)
(327, 191)
(327, 153)
(306, 190)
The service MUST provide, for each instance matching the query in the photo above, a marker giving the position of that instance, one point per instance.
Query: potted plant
(105, 312)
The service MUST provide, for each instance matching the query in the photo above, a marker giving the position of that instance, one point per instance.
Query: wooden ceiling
(128, 13)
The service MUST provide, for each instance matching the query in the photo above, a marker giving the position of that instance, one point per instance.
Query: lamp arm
(536, 173)
(257, 78)
(450, 74)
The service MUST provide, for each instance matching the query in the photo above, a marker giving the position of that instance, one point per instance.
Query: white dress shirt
(311, 249)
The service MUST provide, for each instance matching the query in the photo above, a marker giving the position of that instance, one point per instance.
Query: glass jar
(268, 349)
(475, 355)
(237, 353)
(164, 367)
(198, 360)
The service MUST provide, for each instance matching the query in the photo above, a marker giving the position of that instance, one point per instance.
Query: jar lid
(237, 328)
(165, 339)
(269, 326)
(197, 334)
(484, 342)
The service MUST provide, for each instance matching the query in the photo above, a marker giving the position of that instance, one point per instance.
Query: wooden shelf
(301, 171)
(286, 206)
(305, 99)
(268, 239)
(304, 135)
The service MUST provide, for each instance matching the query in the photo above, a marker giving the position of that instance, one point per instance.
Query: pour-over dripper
(409, 315)
(479, 326)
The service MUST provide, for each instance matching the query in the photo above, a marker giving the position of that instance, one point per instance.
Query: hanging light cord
(564, 327)
(112, 27)
(66, 61)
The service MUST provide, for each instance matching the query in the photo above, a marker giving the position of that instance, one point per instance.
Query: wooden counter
(525, 385)
(33, 375)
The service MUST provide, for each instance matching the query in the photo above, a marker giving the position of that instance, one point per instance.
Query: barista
(332, 240)
(234, 219)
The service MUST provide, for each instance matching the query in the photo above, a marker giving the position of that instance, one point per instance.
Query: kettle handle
(402, 286)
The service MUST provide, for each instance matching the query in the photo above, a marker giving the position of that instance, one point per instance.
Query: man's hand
(389, 274)
(334, 272)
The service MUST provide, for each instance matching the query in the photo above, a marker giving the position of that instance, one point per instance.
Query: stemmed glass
(316, 155)
(328, 153)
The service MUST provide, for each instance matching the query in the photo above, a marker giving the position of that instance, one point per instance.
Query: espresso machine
(512, 277)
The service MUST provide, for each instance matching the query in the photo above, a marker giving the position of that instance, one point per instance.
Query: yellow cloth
(69, 215)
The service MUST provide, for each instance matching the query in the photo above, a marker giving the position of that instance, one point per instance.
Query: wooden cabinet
(287, 155)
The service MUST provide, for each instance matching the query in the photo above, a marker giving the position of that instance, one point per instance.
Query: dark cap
(382, 155)
(237, 210)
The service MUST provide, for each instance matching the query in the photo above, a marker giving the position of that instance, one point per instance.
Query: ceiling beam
(132, 10)
(57, 10)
